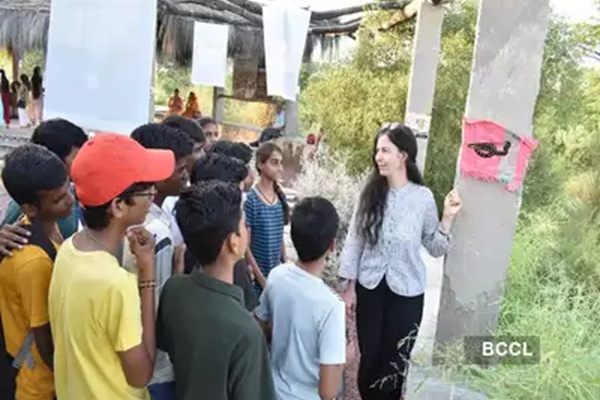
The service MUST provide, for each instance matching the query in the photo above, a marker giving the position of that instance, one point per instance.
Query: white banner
(100, 63)
(209, 62)
(285, 29)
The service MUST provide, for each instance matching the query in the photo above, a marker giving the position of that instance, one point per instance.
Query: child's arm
(266, 327)
(249, 207)
(330, 381)
(258, 275)
(262, 313)
(332, 352)
(42, 336)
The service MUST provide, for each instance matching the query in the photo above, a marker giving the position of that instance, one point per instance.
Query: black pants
(387, 325)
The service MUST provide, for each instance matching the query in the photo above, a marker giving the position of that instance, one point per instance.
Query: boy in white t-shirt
(307, 319)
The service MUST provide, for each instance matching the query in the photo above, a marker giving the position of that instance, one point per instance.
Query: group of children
(152, 266)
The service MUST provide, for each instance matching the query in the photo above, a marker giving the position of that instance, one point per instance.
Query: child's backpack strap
(38, 238)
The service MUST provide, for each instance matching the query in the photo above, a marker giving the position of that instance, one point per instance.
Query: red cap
(109, 163)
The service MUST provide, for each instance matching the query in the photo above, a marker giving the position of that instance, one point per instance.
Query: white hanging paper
(100, 63)
(209, 62)
(285, 29)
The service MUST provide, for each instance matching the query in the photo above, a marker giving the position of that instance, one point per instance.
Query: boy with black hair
(219, 167)
(64, 139)
(158, 223)
(103, 317)
(240, 151)
(225, 169)
(38, 181)
(192, 129)
(217, 349)
(308, 347)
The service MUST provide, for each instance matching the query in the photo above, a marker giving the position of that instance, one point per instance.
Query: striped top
(266, 223)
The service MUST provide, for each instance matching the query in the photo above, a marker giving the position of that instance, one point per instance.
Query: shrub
(326, 175)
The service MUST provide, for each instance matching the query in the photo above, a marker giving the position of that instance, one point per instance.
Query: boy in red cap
(102, 342)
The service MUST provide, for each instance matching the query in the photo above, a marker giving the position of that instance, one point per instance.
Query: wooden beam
(205, 14)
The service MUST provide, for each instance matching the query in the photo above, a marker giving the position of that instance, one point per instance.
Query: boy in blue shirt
(303, 316)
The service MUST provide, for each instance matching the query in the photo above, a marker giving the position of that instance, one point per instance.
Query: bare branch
(381, 5)
(336, 28)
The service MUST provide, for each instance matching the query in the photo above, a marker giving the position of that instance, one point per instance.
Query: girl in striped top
(267, 212)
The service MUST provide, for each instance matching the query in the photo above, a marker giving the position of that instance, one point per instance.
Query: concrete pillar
(292, 118)
(428, 33)
(504, 87)
(218, 105)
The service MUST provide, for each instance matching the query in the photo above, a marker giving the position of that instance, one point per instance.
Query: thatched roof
(24, 24)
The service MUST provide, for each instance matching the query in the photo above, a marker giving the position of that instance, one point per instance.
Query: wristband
(147, 285)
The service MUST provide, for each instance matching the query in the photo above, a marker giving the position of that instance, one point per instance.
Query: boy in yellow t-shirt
(103, 317)
(37, 180)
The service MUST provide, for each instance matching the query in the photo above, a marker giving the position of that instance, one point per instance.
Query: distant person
(23, 94)
(14, 98)
(102, 316)
(37, 180)
(267, 135)
(305, 319)
(267, 212)
(175, 104)
(381, 264)
(280, 117)
(192, 108)
(37, 96)
(217, 350)
(5, 94)
(211, 130)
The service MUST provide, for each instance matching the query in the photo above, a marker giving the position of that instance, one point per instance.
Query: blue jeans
(162, 391)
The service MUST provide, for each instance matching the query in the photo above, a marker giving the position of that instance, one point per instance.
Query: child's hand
(141, 243)
(12, 237)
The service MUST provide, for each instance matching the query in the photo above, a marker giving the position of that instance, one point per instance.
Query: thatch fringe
(23, 30)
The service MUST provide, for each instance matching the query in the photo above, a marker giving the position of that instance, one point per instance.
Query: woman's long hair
(4, 83)
(262, 156)
(36, 83)
(372, 200)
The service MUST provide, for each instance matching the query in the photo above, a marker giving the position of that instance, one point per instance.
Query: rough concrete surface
(504, 87)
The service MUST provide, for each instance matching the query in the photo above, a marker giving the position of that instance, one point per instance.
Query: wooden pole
(504, 87)
(428, 34)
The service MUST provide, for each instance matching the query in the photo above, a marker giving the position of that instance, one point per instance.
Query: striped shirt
(410, 220)
(266, 223)
(159, 225)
